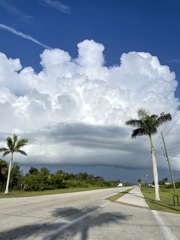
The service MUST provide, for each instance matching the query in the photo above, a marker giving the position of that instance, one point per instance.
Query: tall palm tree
(147, 125)
(13, 145)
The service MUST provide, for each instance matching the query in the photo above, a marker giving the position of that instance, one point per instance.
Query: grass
(118, 195)
(15, 194)
(166, 204)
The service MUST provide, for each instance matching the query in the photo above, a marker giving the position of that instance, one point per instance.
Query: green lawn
(15, 194)
(118, 195)
(166, 204)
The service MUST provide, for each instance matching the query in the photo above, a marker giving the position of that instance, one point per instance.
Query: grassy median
(166, 204)
(118, 195)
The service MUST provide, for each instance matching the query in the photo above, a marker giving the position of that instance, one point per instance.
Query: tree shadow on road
(81, 221)
(67, 223)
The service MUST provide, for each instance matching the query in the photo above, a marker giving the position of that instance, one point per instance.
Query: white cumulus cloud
(74, 110)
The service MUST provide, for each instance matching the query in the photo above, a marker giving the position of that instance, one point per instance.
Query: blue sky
(121, 26)
(52, 48)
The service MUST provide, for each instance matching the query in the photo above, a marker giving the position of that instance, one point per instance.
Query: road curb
(132, 205)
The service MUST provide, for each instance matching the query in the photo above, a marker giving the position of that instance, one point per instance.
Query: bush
(169, 186)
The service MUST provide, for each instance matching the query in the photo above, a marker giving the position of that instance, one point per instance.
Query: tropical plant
(139, 182)
(44, 172)
(163, 181)
(147, 125)
(33, 171)
(16, 177)
(3, 173)
(13, 145)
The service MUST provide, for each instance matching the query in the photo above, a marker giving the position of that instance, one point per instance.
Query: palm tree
(13, 145)
(147, 125)
(139, 182)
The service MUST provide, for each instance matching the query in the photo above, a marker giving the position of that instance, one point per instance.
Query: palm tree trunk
(155, 172)
(9, 173)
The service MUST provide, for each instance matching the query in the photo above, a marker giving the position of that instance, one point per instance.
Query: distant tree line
(43, 179)
(12, 178)
(163, 183)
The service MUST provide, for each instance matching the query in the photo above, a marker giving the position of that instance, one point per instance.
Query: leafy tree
(33, 171)
(83, 176)
(69, 176)
(44, 179)
(31, 183)
(13, 145)
(139, 182)
(61, 174)
(163, 181)
(16, 174)
(56, 182)
(3, 173)
(44, 172)
(147, 125)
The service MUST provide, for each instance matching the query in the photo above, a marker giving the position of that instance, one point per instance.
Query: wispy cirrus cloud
(20, 34)
(14, 10)
(175, 61)
(57, 5)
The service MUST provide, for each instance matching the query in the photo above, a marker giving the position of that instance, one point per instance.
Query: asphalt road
(80, 216)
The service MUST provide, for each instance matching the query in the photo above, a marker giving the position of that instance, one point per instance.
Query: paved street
(81, 216)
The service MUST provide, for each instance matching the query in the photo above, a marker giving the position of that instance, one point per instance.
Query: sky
(73, 72)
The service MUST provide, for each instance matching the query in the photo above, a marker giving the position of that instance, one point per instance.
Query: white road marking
(62, 228)
(168, 234)
(59, 230)
(104, 205)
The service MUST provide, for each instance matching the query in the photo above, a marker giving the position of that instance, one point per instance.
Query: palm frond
(21, 143)
(153, 118)
(9, 143)
(163, 119)
(6, 153)
(147, 124)
(143, 113)
(138, 132)
(22, 152)
(134, 123)
(14, 139)
(14, 145)
(3, 149)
